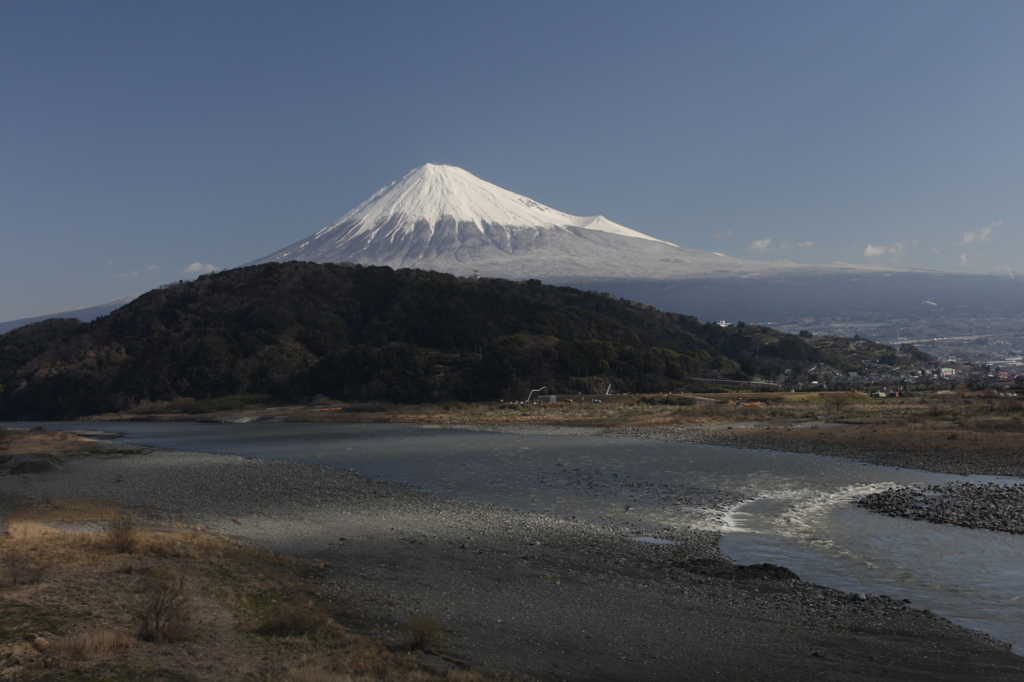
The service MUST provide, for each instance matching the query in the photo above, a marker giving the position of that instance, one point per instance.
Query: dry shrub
(293, 620)
(837, 400)
(20, 566)
(165, 613)
(88, 646)
(123, 535)
(426, 634)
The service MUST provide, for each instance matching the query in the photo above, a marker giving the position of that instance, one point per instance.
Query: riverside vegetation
(954, 432)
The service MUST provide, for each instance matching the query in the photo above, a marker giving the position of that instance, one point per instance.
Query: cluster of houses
(934, 375)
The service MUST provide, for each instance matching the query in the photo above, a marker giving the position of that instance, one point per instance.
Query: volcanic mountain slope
(444, 218)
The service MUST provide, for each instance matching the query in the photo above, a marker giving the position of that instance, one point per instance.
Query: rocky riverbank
(545, 596)
(971, 505)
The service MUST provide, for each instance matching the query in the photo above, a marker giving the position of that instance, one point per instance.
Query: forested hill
(294, 330)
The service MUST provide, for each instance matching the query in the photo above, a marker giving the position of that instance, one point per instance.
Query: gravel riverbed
(537, 595)
(990, 506)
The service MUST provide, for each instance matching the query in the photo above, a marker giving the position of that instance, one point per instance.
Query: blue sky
(138, 139)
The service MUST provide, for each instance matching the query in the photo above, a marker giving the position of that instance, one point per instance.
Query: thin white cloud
(806, 244)
(897, 249)
(723, 235)
(200, 268)
(760, 246)
(964, 261)
(982, 234)
(152, 268)
(128, 275)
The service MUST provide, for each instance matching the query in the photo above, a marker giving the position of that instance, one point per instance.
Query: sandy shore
(539, 595)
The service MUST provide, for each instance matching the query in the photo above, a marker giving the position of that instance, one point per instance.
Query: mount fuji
(444, 218)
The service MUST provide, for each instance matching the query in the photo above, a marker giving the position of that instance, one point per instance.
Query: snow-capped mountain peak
(433, 192)
(445, 218)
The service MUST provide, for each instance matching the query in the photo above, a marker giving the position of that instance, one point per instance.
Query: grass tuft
(89, 646)
(123, 535)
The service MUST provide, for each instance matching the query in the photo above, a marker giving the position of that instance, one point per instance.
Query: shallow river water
(784, 508)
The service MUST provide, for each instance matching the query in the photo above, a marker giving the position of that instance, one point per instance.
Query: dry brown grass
(191, 600)
(21, 441)
(93, 645)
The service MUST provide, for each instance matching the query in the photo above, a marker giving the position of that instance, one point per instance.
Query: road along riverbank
(548, 596)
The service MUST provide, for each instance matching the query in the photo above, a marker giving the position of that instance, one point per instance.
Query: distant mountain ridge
(446, 219)
(87, 314)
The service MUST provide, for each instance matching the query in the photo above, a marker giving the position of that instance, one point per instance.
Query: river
(789, 509)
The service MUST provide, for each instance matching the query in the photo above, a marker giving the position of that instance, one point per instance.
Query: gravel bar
(972, 505)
